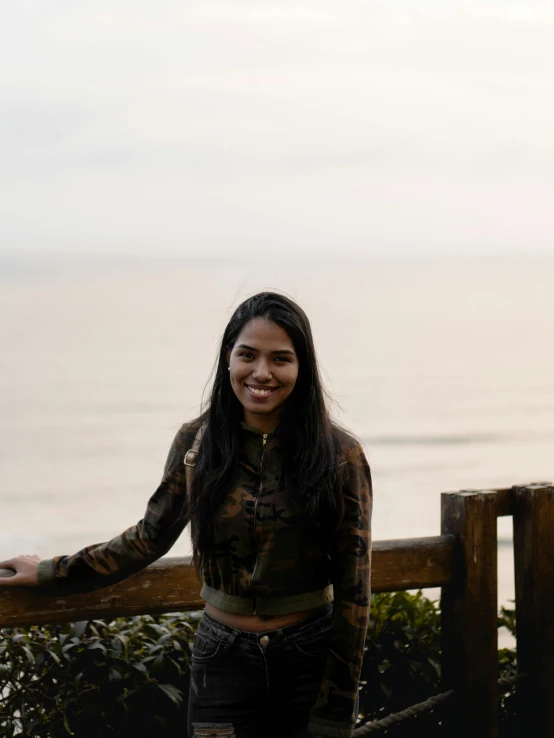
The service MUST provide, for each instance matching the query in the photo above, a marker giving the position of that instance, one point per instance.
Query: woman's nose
(261, 370)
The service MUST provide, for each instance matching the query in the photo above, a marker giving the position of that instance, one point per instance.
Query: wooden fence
(462, 561)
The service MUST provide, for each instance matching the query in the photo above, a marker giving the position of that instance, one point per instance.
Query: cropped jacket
(266, 558)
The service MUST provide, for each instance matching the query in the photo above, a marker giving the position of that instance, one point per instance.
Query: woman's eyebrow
(279, 351)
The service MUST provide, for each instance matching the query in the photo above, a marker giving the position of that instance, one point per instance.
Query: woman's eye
(248, 356)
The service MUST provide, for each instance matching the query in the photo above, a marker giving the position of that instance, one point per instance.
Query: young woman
(279, 501)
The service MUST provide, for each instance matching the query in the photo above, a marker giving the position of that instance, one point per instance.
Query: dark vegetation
(129, 677)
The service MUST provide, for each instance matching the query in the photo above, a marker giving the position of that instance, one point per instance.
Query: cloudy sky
(324, 126)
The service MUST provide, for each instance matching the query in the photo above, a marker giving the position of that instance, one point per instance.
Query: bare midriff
(259, 623)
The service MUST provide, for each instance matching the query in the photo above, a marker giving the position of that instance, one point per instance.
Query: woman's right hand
(25, 568)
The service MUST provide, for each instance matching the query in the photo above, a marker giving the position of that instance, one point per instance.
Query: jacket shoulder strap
(192, 454)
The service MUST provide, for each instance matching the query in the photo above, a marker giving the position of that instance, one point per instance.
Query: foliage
(509, 723)
(402, 666)
(129, 677)
(402, 659)
(94, 679)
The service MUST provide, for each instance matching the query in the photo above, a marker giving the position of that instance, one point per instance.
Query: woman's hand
(25, 568)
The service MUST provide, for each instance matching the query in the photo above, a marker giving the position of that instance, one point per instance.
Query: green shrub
(94, 679)
(402, 660)
(129, 677)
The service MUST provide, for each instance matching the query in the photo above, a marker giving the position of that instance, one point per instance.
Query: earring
(228, 368)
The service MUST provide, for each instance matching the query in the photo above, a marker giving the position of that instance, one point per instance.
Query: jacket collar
(249, 428)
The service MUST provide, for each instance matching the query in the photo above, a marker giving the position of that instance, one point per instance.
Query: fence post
(469, 614)
(534, 580)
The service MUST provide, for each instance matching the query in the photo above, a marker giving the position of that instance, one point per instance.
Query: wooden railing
(462, 561)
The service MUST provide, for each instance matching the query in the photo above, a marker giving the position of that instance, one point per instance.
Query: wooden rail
(171, 585)
(462, 561)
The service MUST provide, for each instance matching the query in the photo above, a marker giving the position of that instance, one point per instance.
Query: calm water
(445, 370)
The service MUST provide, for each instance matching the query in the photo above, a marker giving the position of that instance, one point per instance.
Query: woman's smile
(260, 393)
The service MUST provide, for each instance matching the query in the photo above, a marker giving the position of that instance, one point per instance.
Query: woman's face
(263, 369)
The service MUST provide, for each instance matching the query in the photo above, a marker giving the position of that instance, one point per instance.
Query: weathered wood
(411, 563)
(171, 585)
(503, 497)
(534, 580)
(168, 585)
(504, 502)
(469, 614)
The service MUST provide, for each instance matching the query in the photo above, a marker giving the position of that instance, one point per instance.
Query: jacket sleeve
(334, 712)
(103, 564)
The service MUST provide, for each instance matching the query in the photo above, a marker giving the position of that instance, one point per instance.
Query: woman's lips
(260, 393)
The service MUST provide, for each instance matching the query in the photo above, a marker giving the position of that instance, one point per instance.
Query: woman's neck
(262, 423)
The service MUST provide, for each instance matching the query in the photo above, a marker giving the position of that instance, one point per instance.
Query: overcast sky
(412, 126)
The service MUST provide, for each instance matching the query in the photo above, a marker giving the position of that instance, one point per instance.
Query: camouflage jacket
(265, 559)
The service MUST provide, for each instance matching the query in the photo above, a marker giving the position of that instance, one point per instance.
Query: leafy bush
(95, 679)
(402, 660)
(509, 723)
(402, 666)
(129, 677)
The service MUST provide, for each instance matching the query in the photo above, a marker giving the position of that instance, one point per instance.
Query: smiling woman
(279, 501)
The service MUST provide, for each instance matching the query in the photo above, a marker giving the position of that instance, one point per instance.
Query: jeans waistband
(303, 629)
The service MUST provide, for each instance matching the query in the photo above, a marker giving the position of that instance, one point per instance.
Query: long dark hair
(307, 435)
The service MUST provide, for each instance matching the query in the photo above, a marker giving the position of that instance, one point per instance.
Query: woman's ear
(228, 356)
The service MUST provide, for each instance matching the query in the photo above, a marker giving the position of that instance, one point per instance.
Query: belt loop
(232, 638)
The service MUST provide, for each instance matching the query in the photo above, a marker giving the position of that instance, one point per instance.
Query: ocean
(444, 368)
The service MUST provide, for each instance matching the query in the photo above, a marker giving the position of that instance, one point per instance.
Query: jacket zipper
(264, 441)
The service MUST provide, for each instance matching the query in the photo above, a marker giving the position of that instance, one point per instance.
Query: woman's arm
(333, 713)
(103, 564)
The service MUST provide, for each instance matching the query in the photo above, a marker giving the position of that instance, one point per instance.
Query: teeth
(260, 392)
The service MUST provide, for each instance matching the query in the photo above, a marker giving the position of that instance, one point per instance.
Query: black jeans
(256, 685)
